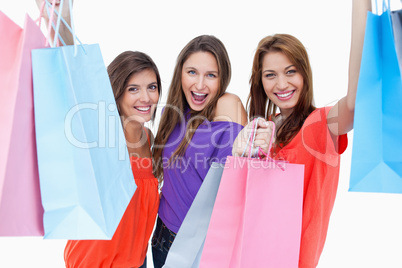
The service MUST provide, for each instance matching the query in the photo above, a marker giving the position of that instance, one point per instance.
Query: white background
(365, 228)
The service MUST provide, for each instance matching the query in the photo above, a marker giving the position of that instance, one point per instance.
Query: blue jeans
(161, 242)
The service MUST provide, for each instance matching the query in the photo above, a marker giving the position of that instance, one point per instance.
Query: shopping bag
(186, 249)
(377, 145)
(257, 216)
(396, 18)
(21, 211)
(85, 175)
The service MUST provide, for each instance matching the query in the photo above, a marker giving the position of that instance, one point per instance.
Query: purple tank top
(212, 142)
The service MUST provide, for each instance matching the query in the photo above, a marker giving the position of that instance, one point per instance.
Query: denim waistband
(163, 237)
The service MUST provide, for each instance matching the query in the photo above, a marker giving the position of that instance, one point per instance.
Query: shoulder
(230, 108)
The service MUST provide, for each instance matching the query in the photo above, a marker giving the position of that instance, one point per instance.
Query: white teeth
(284, 95)
(143, 109)
(199, 94)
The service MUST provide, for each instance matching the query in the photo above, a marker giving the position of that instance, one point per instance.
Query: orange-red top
(314, 147)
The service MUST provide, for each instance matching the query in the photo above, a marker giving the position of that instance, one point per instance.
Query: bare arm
(63, 31)
(340, 117)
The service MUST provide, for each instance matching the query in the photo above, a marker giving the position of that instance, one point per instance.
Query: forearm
(341, 116)
(359, 15)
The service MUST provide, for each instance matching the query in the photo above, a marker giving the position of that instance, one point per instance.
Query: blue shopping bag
(84, 170)
(377, 142)
(187, 247)
(396, 18)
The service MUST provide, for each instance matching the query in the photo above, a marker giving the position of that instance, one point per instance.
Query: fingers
(66, 7)
(240, 142)
(264, 141)
(263, 137)
(262, 123)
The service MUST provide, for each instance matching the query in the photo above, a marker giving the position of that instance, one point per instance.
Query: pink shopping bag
(21, 211)
(257, 216)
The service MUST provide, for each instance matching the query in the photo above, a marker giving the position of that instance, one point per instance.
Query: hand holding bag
(85, 174)
(256, 220)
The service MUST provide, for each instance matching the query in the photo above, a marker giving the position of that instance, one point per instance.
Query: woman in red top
(282, 78)
(136, 86)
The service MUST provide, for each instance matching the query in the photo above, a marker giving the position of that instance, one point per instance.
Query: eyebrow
(286, 68)
(135, 85)
(193, 68)
(153, 83)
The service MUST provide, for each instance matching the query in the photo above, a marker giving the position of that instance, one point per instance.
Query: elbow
(350, 105)
(350, 102)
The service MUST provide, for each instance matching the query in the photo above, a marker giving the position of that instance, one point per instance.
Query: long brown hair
(176, 100)
(258, 102)
(125, 65)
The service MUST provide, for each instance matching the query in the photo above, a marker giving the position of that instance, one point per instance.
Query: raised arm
(341, 116)
(64, 32)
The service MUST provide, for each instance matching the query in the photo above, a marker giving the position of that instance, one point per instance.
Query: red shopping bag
(21, 211)
(257, 216)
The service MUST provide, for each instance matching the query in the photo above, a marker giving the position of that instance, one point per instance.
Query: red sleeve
(318, 140)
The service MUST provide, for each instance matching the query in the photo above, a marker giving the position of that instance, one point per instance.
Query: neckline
(133, 156)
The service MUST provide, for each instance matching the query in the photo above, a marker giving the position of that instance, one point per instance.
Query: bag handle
(59, 19)
(56, 27)
(38, 21)
(260, 151)
(248, 140)
(386, 6)
(50, 14)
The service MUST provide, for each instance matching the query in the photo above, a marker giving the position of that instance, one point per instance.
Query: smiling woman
(282, 79)
(136, 87)
(365, 228)
(194, 131)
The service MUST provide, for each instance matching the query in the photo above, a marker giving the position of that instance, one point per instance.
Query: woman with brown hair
(198, 126)
(282, 79)
(136, 87)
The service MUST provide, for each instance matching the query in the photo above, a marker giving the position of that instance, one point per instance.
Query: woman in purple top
(198, 126)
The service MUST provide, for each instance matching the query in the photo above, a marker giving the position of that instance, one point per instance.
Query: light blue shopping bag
(187, 247)
(396, 18)
(85, 174)
(377, 142)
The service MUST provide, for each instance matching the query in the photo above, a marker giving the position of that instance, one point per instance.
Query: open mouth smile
(198, 98)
